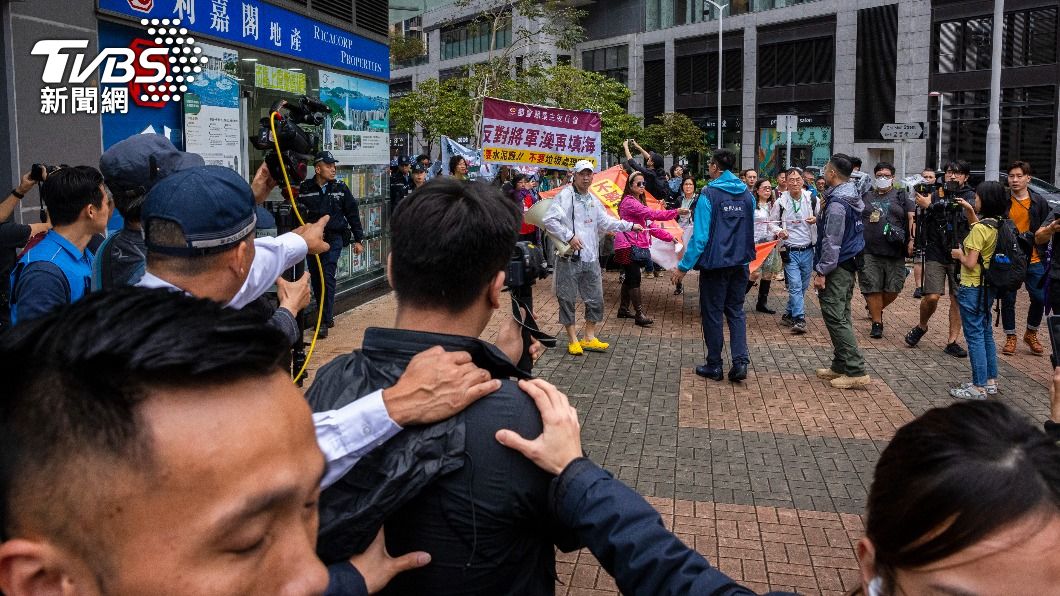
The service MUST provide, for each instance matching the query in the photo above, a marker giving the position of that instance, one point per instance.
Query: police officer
(324, 195)
(400, 182)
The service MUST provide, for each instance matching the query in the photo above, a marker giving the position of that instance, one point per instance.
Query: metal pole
(788, 159)
(938, 139)
(904, 144)
(721, 16)
(993, 131)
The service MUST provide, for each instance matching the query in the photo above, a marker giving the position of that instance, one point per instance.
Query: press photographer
(943, 219)
(324, 195)
(13, 236)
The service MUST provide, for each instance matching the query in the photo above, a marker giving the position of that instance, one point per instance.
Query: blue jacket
(840, 231)
(704, 214)
(627, 536)
(51, 274)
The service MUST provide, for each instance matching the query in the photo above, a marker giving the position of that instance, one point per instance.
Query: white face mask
(883, 183)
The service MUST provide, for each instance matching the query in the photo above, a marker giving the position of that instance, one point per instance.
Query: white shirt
(792, 215)
(765, 227)
(344, 435)
(589, 218)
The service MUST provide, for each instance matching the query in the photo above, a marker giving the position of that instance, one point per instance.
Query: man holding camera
(324, 195)
(580, 218)
(944, 225)
(58, 270)
(928, 174)
(888, 217)
(13, 236)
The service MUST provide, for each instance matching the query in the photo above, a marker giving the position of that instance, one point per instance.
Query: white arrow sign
(902, 130)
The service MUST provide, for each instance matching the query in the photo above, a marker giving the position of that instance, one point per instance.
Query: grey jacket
(831, 240)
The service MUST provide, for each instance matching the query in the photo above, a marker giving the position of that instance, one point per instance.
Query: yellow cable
(320, 268)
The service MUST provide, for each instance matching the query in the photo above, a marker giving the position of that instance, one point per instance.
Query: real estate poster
(211, 109)
(357, 130)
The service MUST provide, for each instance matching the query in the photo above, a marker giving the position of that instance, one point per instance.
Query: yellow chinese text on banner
(526, 135)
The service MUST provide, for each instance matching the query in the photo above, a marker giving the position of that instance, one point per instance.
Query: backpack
(1008, 266)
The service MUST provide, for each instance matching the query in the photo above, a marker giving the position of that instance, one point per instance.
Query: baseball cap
(212, 205)
(584, 164)
(133, 166)
(403, 161)
(326, 157)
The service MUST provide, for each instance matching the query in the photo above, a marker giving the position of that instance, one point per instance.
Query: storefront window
(811, 145)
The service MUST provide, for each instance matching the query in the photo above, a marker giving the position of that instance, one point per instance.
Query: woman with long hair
(687, 199)
(766, 230)
(634, 209)
(974, 297)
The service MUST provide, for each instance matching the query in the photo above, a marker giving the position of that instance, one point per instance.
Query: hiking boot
(845, 382)
(877, 331)
(594, 345)
(799, 327)
(1010, 345)
(642, 320)
(625, 313)
(954, 349)
(1031, 339)
(913, 337)
(827, 374)
(786, 320)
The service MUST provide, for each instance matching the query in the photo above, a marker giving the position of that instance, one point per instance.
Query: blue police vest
(853, 233)
(75, 266)
(732, 231)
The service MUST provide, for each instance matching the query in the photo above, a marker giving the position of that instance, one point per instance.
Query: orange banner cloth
(607, 187)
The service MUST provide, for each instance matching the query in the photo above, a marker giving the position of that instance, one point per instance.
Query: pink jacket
(630, 209)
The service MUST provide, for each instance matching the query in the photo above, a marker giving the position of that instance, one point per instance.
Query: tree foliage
(405, 49)
(674, 134)
(437, 108)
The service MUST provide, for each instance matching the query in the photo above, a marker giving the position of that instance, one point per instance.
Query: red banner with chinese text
(526, 135)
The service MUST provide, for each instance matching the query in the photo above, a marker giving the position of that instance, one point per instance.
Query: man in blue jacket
(721, 247)
(840, 231)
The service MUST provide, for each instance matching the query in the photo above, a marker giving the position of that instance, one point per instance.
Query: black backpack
(1008, 266)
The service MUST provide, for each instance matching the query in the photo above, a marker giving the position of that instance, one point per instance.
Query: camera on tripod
(526, 266)
(297, 145)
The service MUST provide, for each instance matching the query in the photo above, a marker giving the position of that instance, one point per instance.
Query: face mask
(876, 587)
(883, 183)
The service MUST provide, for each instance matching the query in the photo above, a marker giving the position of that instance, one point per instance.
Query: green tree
(405, 49)
(674, 134)
(436, 108)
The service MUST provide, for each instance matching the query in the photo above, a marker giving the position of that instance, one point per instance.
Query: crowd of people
(153, 442)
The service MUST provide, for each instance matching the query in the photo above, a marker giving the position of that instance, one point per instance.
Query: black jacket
(943, 226)
(654, 180)
(12, 237)
(450, 488)
(336, 200)
(400, 187)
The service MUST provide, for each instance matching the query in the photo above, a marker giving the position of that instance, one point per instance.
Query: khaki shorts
(882, 274)
(938, 276)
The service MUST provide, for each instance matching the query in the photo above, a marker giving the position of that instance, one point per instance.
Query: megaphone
(535, 216)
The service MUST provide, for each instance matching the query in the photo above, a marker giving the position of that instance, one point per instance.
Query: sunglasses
(638, 184)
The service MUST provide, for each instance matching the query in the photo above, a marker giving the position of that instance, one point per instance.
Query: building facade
(845, 68)
(257, 53)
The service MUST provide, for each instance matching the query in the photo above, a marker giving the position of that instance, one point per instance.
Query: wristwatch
(15, 192)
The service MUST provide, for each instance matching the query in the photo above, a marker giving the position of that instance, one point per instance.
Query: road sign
(787, 123)
(897, 131)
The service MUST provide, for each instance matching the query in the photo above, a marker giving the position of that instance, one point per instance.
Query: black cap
(403, 160)
(326, 157)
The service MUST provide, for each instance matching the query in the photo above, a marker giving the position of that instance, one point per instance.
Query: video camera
(527, 265)
(297, 145)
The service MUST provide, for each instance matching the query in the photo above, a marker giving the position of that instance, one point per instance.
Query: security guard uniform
(336, 200)
(51, 274)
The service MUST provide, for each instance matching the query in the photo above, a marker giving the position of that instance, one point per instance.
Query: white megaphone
(535, 216)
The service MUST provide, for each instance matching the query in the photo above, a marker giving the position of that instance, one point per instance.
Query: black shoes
(331, 324)
(786, 320)
(954, 349)
(760, 307)
(918, 293)
(323, 332)
(709, 372)
(738, 372)
(877, 331)
(625, 313)
(913, 337)
(1052, 429)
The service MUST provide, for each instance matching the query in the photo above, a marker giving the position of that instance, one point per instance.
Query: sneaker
(786, 320)
(877, 331)
(574, 348)
(594, 345)
(827, 374)
(913, 337)
(991, 389)
(1010, 345)
(1031, 339)
(918, 293)
(845, 382)
(954, 349)
(968, 391)
(799, 327)
(679, 290)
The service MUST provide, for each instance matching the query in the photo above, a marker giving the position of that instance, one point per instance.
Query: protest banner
(517, 134)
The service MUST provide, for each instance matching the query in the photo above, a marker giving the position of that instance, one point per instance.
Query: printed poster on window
(357, 131)
(519, 134)
(211, 109)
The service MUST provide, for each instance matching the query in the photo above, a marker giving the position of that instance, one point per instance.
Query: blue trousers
(330, 261)
(1036, 291)
(722, 291)
(975, 321)
(797, 273)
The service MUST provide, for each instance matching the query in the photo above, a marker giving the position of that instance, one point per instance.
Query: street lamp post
(938, 154)
(721, 8)
(993, 131)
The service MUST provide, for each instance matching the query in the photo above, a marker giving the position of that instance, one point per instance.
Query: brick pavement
(768, 478)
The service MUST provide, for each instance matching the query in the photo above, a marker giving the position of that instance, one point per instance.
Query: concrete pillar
(749, 149)
(669, 51)
(911, 76)
(846, 33)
